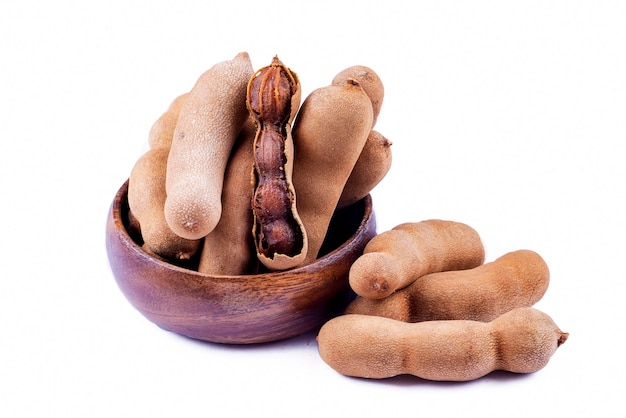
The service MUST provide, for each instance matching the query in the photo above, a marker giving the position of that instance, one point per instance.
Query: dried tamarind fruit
(372, 166)
(394, 259)
(210, 119)
(329, 134)
(273, 97)
(369, 81)
(162, 130)
(516, 279)
(521, 341)
(229, 248)
(146, 199)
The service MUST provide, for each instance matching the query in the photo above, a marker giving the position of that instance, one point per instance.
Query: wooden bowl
(239, 309)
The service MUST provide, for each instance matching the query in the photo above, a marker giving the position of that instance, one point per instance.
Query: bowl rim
(120, 204)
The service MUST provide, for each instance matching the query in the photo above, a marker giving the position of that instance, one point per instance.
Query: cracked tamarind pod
(329, 135)
(210, 120)
(273, 98)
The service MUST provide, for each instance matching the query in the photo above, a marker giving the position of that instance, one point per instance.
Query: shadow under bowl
(239, 309)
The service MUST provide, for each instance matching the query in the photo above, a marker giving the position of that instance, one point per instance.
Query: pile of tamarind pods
(243, 178)
(429, 306)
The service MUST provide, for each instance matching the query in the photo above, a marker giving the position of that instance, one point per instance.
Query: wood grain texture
(238, 309)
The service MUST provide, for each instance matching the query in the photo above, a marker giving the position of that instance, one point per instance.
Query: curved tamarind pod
(229, 249)
(369, 81)
(273, 97)
(372, 166)
(516, 279)
(329, 134)
(146, 198)
(375, 159)
(209, 122)
(521, 341)
(162, 131)
(394, 259)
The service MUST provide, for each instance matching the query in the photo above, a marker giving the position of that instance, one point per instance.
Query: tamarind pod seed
(273, 95)
(209, 122)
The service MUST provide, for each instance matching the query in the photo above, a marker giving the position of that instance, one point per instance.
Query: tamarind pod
(209, 122)
(372, 166)
(134, 229)
(369, 81)
(516, 279)
(229, 248)
(273, 97)
(162, 130)
(521, 341)
(395, 258)
(375, 159)
(329, 134)
(146, 199)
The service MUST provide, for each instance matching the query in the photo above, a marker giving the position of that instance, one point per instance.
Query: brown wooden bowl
(239, 309)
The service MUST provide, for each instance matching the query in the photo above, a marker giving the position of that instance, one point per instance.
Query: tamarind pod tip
(374, 275)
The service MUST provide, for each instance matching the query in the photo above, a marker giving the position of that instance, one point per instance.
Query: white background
(508, 116)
